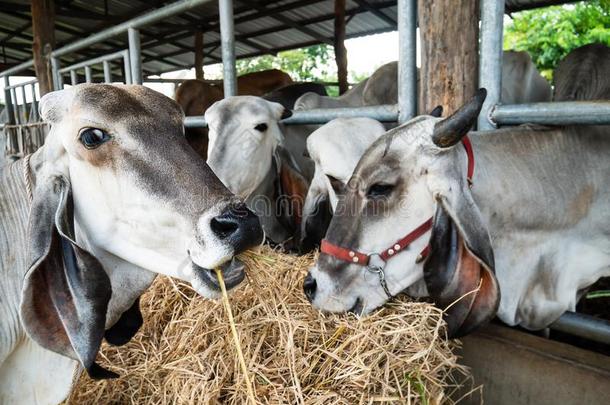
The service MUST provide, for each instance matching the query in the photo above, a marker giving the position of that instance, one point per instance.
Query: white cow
(247, 151)
(534, 225)
(117, 196)
(335, 148)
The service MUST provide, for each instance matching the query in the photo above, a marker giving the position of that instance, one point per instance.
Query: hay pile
(184, 353)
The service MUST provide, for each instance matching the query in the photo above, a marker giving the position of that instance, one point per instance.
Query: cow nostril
(223, 226)
(309, 287)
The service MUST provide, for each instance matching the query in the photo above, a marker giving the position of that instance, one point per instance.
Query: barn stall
(505, 361)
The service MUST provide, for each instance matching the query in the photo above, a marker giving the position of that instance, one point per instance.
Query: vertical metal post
(73, 78)
(127, 68)
(227, 39)
(25, 104)
(107, 72)
(9, 101)
(490, 57)
(57, 79)
(16, 105)
(407, 53)
(34, 103)
(88, 76)
(135, 55)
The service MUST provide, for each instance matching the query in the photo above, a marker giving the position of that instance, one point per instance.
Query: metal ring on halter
(377, 268)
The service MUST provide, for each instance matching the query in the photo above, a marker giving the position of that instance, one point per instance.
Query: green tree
(548, 34)
(306, 64)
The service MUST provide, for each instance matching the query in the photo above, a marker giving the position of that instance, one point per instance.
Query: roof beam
(285, 20)
(377, 12)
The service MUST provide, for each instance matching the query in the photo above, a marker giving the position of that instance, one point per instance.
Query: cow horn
(450, 131)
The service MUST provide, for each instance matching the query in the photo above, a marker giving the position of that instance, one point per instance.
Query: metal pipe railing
(382, 113)
(137, 22)
(585, 326)
(490, 57)
(227, 40)
(554, 113)
(94, 61)
(29, 82)
(407, 70)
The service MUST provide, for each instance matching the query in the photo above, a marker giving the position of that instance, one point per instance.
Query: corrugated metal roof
(261, 26)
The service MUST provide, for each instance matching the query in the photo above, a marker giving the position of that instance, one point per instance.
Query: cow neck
(375, 262)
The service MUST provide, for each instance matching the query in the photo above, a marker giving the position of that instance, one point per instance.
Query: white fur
(246, 154)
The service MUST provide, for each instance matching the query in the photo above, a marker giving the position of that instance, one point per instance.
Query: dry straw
(185, 353)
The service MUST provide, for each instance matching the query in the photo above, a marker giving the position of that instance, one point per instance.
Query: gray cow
(533, 229)
(584, 74)
(117, 196)
(521, 83)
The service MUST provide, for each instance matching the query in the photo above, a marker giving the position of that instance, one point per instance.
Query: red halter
(364, 259)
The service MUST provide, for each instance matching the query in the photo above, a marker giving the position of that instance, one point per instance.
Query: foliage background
(548, 34)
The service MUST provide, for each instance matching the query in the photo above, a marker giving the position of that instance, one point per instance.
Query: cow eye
(379, 190)
(91, 138)
(261, 127)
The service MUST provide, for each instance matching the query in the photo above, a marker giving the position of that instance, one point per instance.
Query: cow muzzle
(233, 231)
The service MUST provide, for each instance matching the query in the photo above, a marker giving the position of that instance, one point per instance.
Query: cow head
(335, 149)
(246, 153)
(120, 195)
(412, 173)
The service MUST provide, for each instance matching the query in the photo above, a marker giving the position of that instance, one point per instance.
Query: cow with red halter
(527, 223)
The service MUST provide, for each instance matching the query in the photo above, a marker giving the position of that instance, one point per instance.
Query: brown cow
(196, 96)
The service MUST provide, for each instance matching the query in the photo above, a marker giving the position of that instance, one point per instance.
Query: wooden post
(449, 32)
(43, 28)
(199, 55)
(340, 51)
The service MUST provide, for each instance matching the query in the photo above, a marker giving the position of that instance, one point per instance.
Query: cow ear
(287, 113)
(126, 327)
(292, 189)
(437, 111)
(317, 213)
(66, 291)
(459, 271)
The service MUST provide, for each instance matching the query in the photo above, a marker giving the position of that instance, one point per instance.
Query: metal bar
(8, 101)
(25, 104)
(16, 69)
(490, 57)
(57, 79)
(227, 39)
(22, 84)
(127, 67)
(583, 325)
(88, 76)
(107, 72)
(16, 105)
(94, 61)
(135, 56)
(140, 21)
(555, 113)
(383, 113)
(73, 78)
(407, 71)
(34, 102)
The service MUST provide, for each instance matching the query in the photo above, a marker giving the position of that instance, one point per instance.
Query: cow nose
(309, 287)
(239, 227)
